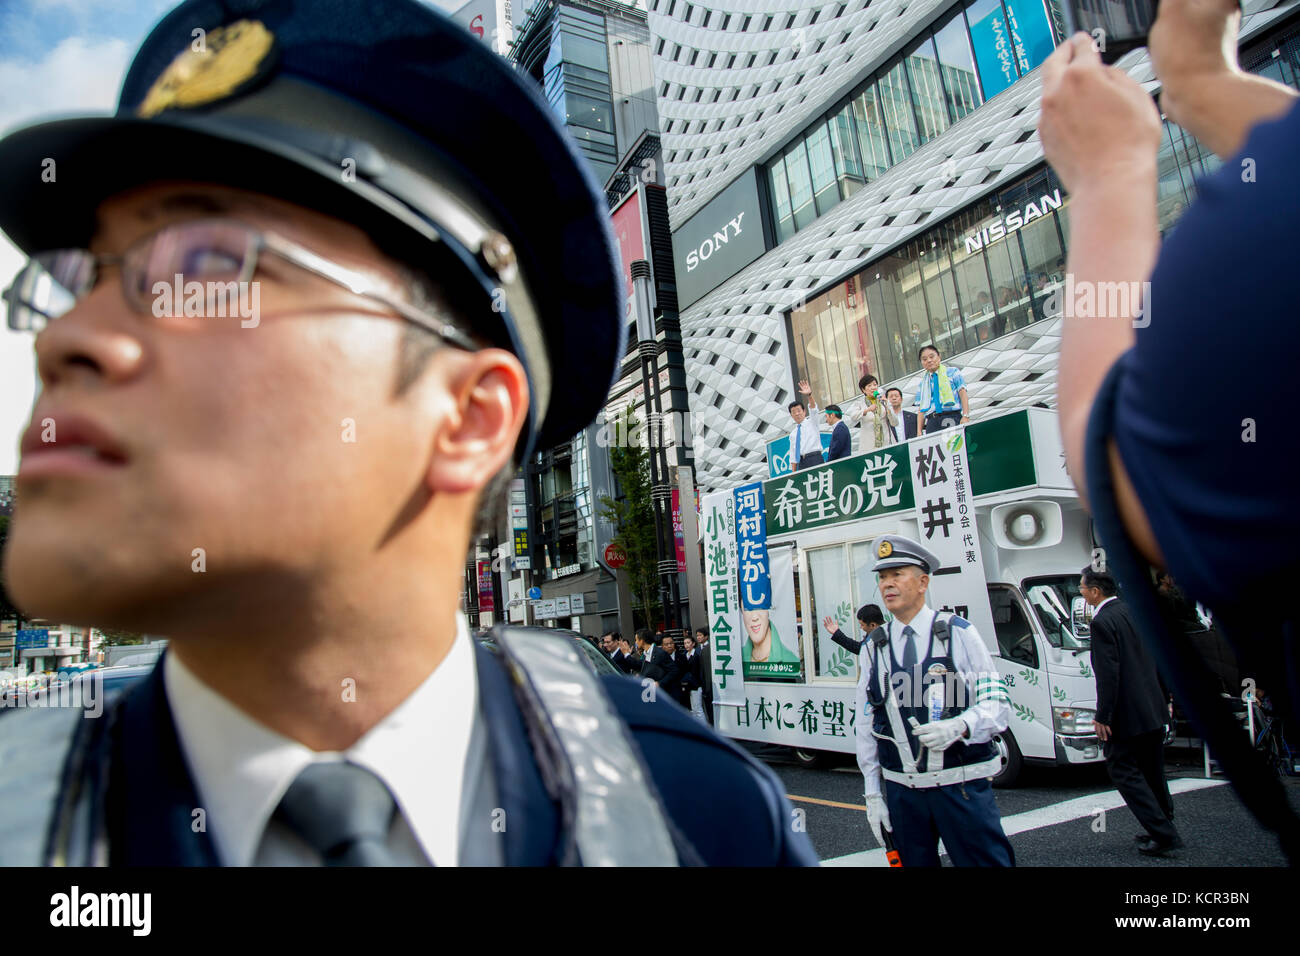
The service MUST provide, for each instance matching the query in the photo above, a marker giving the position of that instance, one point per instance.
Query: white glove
(878, 816)
(941, 734)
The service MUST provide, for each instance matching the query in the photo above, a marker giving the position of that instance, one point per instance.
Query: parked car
(593, 655)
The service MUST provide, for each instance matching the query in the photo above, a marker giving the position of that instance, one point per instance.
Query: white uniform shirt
(972, 659)
(241, 768)
(809, 438)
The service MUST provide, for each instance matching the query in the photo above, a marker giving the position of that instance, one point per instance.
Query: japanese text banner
(945, 519)
(719, 522)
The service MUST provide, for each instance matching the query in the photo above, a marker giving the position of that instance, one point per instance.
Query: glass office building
(569, 58)
(971, 53)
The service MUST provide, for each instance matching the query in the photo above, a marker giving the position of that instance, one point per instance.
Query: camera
(1116, 26)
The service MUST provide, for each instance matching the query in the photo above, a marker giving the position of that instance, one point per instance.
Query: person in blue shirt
(941, 398)
(841, 439)
(1176, 475)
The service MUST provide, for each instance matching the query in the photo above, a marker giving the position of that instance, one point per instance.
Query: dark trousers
(810, 460)
(965, 816)
(941, 420)
(1137, 768)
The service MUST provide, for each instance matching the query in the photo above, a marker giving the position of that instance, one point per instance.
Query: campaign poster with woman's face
(771, 643)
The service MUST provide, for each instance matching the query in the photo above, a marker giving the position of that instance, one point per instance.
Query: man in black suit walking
(907, 421)
(1131, 715)
(705, 653)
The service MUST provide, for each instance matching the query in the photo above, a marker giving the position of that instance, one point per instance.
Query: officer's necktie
(798, 442)
(909, 649)
(343, 812)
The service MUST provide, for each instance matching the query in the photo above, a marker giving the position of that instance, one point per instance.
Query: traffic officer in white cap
(929, 703)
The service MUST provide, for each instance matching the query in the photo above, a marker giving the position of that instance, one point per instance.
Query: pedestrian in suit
(1131, 715)
(841, 439)
(692, 677)
(321, 697)
(705, 651)
(869, 618)
(676, 666)
(908, 424)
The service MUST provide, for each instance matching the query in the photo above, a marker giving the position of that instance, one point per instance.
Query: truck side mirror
(1080, 617)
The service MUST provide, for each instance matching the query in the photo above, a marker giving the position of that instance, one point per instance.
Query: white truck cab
(991, 499)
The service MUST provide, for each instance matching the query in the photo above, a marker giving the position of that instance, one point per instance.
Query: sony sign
(719, 240)
(715, 241)
(1013, 221)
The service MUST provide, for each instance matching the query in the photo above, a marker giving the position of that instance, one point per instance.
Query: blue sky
(61, 56)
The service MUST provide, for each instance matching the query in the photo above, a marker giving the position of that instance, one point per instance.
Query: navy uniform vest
(938, 654)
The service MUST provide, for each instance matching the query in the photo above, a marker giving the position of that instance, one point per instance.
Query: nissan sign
(719, 240)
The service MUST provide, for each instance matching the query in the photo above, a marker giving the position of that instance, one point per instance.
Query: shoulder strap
(940, 630)
(599, 778)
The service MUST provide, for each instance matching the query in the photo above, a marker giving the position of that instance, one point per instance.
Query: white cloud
(76, 76)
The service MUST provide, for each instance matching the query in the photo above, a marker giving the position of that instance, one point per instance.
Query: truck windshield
(1051, 598)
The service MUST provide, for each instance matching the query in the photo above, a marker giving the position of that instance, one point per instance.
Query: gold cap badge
(218, 65)
(884, 550)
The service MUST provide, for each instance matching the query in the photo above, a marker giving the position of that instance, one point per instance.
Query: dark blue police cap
(382, 113)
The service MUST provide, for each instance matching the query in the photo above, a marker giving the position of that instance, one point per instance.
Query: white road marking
(1048, 816)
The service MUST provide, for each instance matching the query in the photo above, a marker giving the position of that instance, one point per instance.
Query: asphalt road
(1056, 816)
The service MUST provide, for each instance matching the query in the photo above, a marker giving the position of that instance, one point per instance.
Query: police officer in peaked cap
(929, 702)
(304, 303)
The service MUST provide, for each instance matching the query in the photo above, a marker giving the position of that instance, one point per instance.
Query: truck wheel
(1004, 745)
(809, 759)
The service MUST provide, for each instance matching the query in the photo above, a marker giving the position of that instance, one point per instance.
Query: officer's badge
(884, 549)
(937, 670)
(219, 64)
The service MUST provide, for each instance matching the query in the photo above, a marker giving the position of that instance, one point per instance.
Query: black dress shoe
(1153, 847)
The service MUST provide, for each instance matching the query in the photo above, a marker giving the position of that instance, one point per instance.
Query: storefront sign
(993, 53)
(722, 598)
(577, 604)
(562, 608)
(719, 240)
(566, 570)
(1014, 220)
(1031, 33)
(485, 596)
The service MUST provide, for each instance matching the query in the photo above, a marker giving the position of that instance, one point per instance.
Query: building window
(801, 191)
(872, 140)
(821, 160)
(900, 123)
(961, 88)
(927, 90)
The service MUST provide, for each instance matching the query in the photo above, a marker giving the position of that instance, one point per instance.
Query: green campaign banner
(1000, 458)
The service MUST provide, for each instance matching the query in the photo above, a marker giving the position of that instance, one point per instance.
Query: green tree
(633, 518)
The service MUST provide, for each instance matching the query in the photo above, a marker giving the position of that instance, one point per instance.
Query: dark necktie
(343, 812)
(909, 649)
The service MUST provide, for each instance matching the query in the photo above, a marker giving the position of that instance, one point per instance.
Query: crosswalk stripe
(1048, 816)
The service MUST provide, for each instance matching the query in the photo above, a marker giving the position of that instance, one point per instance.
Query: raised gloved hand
(941, 734)
(878, 816)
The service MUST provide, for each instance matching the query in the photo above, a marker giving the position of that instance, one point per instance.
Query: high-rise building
(848, 180)
(592, 61)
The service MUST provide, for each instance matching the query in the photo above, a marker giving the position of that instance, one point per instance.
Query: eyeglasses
(214, 252)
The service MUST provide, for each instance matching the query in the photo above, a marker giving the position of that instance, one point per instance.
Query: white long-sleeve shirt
(809, 437)
(972, 659)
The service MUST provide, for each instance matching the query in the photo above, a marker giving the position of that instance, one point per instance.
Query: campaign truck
(991, 499)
